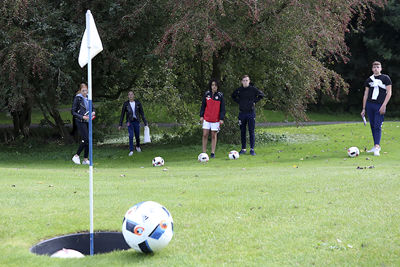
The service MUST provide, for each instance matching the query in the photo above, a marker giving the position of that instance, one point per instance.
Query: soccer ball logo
(233, 154)
(203, 157)
(158, 161)
(147, 227)
(353, 152)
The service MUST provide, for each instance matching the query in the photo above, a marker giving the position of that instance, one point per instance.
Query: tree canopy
(167, 50)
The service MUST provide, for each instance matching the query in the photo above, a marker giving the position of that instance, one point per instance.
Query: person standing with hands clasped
(80, 112)
(378, 90)
(133, 109)
(247, 96)
(212, 113)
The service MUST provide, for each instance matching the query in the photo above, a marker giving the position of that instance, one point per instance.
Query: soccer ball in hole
(203, 157)
(158, 161)
(353, 152)
(233, 154)
(67, 253)
(147, 227)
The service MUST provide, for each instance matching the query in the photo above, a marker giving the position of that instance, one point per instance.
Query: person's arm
(364, 103)
(75, 108)
(203, 108)
(382, 110)
(142, 113)
(122, 116)
(222, 109)
(235, 96)
(259, 95)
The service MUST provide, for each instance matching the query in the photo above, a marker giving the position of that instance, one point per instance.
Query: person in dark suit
(133, 110)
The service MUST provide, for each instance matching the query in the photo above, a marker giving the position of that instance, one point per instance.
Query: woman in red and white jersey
(212, 115)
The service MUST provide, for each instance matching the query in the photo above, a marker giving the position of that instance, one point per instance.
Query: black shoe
(212, 155)
(243, 151)
(252, 152)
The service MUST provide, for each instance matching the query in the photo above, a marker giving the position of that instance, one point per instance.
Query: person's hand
(119, 128)
(93, 113)
(85, 117)
(382, 110)
(221, 122)
(363, 112)
(201, 119)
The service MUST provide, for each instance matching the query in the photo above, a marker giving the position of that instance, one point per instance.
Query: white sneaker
(76, 160)
(86, 162)
(130, 153)
(138, 149)
(376, 152)
(372, 150)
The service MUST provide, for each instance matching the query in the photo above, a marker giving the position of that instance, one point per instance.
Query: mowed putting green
(301, 202)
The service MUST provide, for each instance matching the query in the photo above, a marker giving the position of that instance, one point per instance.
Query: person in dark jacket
(133, 109)
(212, 113)
(80, 113)
(247, 96)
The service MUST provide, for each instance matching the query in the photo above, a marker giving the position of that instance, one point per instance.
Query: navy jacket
(126, 108)
(246, 97)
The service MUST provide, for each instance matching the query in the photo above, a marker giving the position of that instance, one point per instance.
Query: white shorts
(214, 126)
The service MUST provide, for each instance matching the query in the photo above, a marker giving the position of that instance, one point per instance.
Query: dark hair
(245, 76)
(213, 81)
(376, 63)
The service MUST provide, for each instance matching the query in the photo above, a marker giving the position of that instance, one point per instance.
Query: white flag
(95, 43)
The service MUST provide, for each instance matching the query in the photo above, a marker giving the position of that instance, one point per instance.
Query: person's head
(213, 85)
(131, 96)
(245, 81)
(376, 67)
(83, 89)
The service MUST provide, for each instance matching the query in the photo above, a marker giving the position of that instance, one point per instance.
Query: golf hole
(104, 242)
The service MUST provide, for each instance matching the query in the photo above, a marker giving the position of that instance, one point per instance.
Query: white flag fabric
(95, 44)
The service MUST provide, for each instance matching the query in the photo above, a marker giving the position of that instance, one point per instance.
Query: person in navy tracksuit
(133, 109)
(80, 111)
(212, 113)
(247, 96)
(378, 90)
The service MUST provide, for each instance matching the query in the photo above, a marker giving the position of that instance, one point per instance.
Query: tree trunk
(216, 66)
(22, 120)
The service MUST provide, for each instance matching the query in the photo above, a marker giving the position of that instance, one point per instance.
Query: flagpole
(89, 65)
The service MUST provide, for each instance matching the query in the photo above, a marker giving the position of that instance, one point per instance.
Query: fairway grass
(302, 202)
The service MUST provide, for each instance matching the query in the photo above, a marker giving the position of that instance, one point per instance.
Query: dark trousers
(134, 128)
(250, 120)
(375, 120)
(83, 128)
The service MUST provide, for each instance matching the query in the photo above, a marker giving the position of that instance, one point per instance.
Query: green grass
(302, 202)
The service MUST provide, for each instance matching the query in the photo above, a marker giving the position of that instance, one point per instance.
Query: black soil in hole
(103, 242)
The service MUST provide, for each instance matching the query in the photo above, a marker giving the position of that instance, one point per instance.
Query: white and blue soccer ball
(203, 157)
(158, 161)
(233, 154)
(148, 227)
(353, 152)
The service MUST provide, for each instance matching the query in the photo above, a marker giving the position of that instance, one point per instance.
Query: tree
(285, 46)
(377, 40)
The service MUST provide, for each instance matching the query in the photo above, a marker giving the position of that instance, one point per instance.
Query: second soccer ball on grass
(233, 154)
(158, 161)
(203, 157)
(353, 152)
